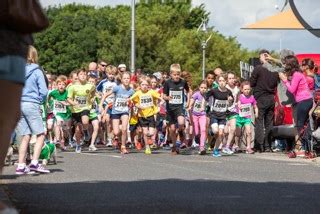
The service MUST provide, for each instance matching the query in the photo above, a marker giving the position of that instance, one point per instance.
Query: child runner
(197, 105)
(174, 90)
(245, 104)
(61, 111)
(230, 128)
(222, 97)
(80, 96)
(120, 109)
(145, 100)
(94, 115)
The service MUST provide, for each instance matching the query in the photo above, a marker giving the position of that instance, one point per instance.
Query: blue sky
(228, 16)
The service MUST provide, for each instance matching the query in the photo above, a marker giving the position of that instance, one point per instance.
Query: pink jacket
(298, 86)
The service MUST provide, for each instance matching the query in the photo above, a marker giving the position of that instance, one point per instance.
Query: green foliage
(166, 33)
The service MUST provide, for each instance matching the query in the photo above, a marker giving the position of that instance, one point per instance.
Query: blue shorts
(12, 68)
(31, 120)
(118, 116)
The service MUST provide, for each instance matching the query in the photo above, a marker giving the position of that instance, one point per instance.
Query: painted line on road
(101, 155)
(202, 161)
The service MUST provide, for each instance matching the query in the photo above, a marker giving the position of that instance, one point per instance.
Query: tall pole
(203, 59)
(133, 41)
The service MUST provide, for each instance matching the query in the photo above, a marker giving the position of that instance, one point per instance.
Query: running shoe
(174, 151)
(202, 152)
(148, 151)
(138, 145)
(92, 148)
(216, 153)
(249, 151)
(301, 153)
(78, 149)
(39, 168)
(292, 154)
(24, 171)
(227, 151)
(109, 144)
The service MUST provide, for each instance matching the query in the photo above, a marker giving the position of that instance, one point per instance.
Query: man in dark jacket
(264, 83)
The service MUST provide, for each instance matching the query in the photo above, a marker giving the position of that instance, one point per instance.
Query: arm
(256, 111)
(43, 90)
(191, 104)
(293, 85)
(254, 77)
(104, 97)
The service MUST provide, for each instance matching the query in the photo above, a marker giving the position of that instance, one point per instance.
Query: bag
(23, 16)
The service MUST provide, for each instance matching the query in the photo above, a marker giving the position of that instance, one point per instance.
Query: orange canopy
(285, 20)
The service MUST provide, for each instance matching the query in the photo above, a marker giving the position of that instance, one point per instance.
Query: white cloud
(228, 16)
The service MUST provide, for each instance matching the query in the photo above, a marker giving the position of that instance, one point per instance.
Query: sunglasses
(103, 65)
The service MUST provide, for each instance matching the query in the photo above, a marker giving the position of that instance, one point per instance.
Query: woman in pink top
(298, 86)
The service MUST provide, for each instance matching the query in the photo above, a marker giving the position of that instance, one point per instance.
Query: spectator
(93, 70)
(264, 83)
(298, 86)
(102, 69)
(307, 66)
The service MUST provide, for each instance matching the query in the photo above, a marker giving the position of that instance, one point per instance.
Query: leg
(259, 129)
(232, 130)
(95, 124)
(12, 114)
(203, 133)
(268, 124)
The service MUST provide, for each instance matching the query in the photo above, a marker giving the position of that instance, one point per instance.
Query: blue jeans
(31, 119)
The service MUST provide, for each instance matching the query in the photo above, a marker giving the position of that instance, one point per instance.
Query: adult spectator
(102, 69)
(264, 83)
(134, 78)
(122, 68)
(298, 86)
(33, 95)
(93, 70)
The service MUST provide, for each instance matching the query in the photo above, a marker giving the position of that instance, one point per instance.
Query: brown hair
(244, 83)
(32, 56)
(187, 77)
(62, 78)
(291, 65)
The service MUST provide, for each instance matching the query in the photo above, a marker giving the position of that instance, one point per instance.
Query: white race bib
(220, 105)
(245, 110)
(121, 104)
(146, 101)
(176, 97)
(59, 107)
(82, 101)
(197, 106)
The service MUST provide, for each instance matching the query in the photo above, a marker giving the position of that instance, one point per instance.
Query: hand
(230, 99)
(282, 76)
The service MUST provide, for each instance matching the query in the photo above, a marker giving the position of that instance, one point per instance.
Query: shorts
(243, 121)
(172, 116)
(50, 118)
(118, 116)
(232, 115)
(60, 119)
(31, 120)
(12, 68)
(221, 123)
(133, 127)
(77, 116)
(147, 122)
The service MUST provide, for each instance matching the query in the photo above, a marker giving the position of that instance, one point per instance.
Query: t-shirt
(83, 94)
(122, 95)
(58, 108)
(147, 101)
(245, 105)
(235, 91)
(198, 99)
(162, 107)
(220, 104)
(176, 91)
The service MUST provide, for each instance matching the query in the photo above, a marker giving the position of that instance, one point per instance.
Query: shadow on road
(166, 196)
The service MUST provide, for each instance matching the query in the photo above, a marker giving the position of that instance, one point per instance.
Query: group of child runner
(151, 112)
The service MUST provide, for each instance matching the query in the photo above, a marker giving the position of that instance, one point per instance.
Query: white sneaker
(92, 148)
(227, 151)
(78, 149)
(109, 144)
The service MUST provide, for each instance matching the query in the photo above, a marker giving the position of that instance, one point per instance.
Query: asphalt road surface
(107, 182)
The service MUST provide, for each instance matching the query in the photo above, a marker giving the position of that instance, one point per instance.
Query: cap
(157, 75)
(122, 66)
(262, 51)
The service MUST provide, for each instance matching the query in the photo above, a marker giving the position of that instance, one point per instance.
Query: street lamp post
(202, 29)
(133, 41)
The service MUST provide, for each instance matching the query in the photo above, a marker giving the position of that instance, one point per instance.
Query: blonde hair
(175, 68)
(32, 55)
(112, 69)
(145, 78)
(62, 78)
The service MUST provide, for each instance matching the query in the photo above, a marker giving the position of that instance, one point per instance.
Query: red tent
(314, 57)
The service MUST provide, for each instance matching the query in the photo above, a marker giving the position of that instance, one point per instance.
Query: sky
(228, 16)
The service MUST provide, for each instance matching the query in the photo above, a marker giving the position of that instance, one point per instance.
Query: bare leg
(12, 114)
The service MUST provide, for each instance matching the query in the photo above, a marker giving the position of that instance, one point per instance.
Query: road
(107, 182)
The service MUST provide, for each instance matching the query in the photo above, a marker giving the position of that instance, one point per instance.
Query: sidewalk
(3, 195)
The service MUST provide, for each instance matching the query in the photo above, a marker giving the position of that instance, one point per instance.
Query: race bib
(176, 97)
(245, 110)
(146, 101)
(121, 104)
(197, 106)
(59, 107)
(220, 105)
(82, 101)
